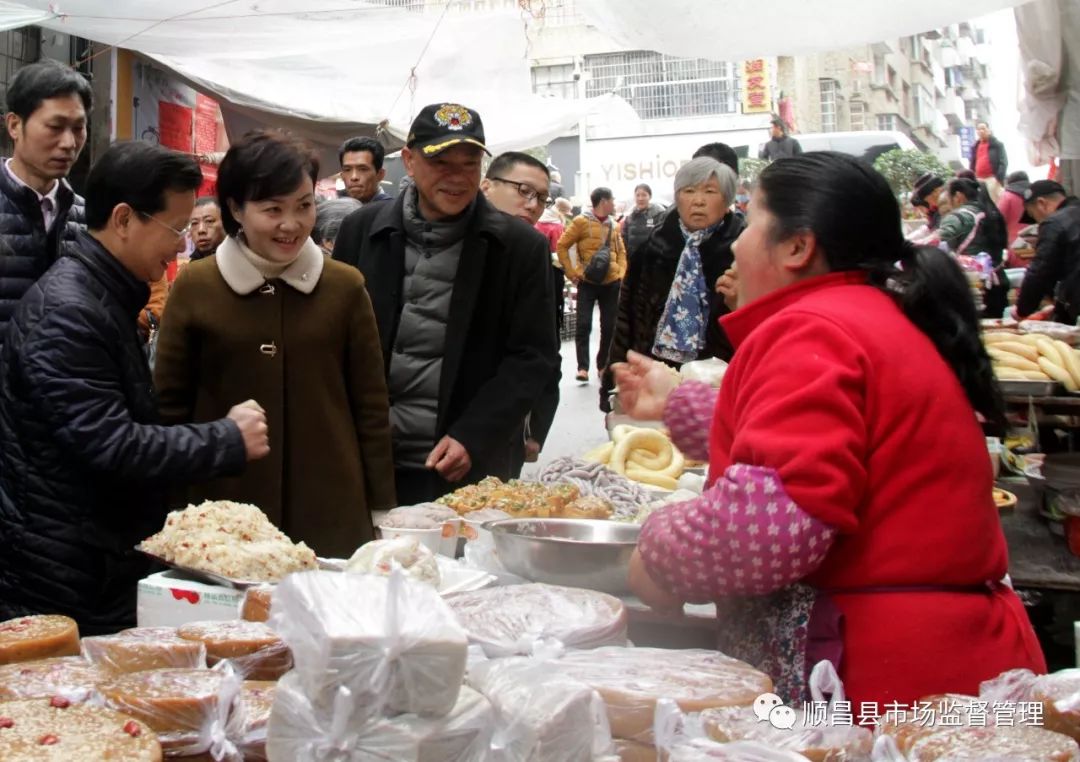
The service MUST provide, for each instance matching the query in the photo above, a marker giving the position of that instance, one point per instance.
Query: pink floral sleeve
(743, 536)
(688, 415)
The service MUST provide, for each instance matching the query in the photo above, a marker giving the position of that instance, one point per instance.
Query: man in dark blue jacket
(84, 462)
(48, 105)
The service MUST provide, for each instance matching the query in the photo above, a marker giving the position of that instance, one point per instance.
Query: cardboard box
(169, 599)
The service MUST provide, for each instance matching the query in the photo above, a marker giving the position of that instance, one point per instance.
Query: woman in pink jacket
(1011, 205)
(849, 513)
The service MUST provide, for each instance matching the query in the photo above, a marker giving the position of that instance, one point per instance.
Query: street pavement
(579, 424)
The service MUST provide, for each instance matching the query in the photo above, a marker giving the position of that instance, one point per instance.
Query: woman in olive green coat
(269, 317)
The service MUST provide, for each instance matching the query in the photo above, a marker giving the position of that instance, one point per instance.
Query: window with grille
(886, 122)
(554, 81)
(924, 106)
(661, 87)
(857, 109)
(417, 6)
(830, 89)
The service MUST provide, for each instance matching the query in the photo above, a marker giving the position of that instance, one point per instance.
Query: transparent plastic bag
(632, 680)
(480, 554)
(710, 371)
(807, 737)
(342, 730)
(828, 736)
(682, 738)
(193, 711)
(255, 605)
(1012, 686)
(704, 750)
(625, 750)
(381, 556)
(253, 649)
(391, 641)
(956, 726)
(886, 750)
(71, 677)
(994, 742)
(541, 715)
(1058, 692)
(253, 709)
(507, 621)
(142, 648)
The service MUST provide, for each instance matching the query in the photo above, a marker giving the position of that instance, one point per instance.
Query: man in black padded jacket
(84, 463)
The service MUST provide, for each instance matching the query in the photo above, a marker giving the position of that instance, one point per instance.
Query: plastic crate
(569, 325)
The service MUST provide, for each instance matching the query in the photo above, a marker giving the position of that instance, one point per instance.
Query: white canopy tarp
(327, 73)
(327, 68)
(732, 30)
(1049, 36)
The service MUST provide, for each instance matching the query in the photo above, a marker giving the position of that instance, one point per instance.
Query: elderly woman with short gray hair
(329, 214)
(669, 307)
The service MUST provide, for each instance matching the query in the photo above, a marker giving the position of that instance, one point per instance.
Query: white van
(863, 144)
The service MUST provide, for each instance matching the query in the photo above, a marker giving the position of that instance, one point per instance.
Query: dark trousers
(607, 297)
(415, 486)
(423, 485)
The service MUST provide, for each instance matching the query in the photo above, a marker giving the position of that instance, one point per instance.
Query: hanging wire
(155, 25)
(411, 81)
(528, 16)
(526, 7)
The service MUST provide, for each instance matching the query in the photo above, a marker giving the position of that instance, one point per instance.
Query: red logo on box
(185, 595)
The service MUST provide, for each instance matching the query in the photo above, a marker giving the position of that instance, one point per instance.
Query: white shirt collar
(51, 195)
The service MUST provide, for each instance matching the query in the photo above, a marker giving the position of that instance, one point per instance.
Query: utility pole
(581, 179)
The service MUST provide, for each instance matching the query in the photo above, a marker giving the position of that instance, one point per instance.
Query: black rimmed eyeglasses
(526, 191)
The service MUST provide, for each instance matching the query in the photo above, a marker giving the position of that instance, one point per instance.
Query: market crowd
(323, 359)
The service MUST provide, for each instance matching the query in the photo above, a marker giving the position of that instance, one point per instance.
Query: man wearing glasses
(461, 296)
(84, 462)
(518, 184)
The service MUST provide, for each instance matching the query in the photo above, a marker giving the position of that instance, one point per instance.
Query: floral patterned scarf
(680, 334)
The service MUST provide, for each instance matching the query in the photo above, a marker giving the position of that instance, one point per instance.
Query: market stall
(252, 647)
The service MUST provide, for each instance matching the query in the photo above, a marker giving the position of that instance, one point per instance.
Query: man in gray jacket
(460, 293)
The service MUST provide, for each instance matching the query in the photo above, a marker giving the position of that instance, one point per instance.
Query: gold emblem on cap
(453, 117)
(434, 149)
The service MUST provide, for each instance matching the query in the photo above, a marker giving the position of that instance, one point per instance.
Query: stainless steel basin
(571, 552)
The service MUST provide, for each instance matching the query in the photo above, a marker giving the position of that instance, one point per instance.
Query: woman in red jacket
(849, 515)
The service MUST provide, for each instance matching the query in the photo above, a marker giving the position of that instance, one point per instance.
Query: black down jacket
(26, 250)
(84, 465)
(647, 284)
(1055, 270)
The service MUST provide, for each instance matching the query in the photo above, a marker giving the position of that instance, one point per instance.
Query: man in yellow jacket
(590, 232)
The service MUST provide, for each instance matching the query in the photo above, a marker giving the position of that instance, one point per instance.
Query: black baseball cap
(443, 125)
(1041, 188)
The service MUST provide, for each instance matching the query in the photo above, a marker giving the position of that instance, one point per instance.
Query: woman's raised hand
(727, 286)
(644, 385)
